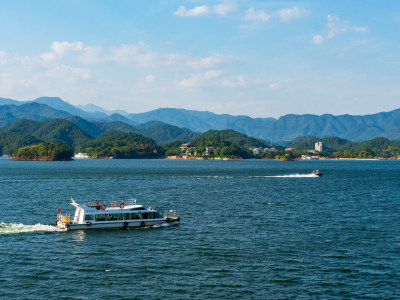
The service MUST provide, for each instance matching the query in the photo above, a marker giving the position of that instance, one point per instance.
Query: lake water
(250, 229)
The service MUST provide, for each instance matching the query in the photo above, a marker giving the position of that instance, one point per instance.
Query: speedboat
(125, 214)
(317, 173)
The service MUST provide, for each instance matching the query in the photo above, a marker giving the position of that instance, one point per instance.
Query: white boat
(317, 173)
(125, 214)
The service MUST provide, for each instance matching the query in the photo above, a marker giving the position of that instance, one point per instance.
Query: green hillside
(25, 126)
(94, 129)
(57, 131)
(62, 132)
(122, 145)
(216, 137)
(11, 141)
(166, 133)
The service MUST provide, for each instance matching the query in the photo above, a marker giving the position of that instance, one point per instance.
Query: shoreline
(39, 159)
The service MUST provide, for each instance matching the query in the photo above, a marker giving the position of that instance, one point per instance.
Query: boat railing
(111, 204)
(63, 218)
(170, 213)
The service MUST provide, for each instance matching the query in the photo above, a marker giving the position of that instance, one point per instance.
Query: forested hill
(122, 145)
(215, 137)
(28, 132)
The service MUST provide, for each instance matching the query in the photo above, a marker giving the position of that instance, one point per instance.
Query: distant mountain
(355, 128)
(6, 101)
(94, 108)
(59, 104)
(33, 111)
(200, 121)
(118, 118)
(165, 133)
(149, 125)
(282, 130)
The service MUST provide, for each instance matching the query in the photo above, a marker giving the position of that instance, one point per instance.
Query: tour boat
(317, 173)
(125, 214)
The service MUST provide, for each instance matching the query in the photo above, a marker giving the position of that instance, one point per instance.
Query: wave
(21, 228)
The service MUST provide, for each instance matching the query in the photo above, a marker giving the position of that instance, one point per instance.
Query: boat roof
(128, 205)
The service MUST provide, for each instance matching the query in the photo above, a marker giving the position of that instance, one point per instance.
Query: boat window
(101, 217)
(135, 215)
(158, 215)
(88, 217)
(113, 217)
(124, 216)
(147, 215)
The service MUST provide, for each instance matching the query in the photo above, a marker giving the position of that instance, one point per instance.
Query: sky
(255, 58)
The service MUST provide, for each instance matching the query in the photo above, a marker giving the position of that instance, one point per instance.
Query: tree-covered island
(44, 152)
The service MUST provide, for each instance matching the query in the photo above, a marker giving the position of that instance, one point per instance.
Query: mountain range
(281, 130)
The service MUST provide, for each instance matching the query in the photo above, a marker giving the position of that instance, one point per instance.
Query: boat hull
(117, 224)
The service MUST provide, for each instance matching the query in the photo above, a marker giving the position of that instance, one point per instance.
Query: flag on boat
(59, 209)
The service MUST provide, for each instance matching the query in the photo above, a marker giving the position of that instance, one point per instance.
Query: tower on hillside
(318, 146)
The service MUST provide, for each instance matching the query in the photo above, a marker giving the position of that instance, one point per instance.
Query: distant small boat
(317, 173)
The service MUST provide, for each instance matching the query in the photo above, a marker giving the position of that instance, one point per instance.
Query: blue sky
(257, 58)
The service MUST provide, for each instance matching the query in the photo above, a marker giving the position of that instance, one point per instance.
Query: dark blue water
(245, 232)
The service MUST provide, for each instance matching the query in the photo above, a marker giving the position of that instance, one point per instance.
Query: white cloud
(221, 79)
(48, 56)
(288, 14)
(213, 74)
(130, 53)
(149, 78)
(224, 8)
(61, 48)
(139, 54)
(361, 28)
(256, 15)
(194, 12)
(64, 73)
(317, 39)
(211, 61)
(274, 86)
(3, 58)
(204, 10)
(335, 26)
(90, 55)
(193, 81)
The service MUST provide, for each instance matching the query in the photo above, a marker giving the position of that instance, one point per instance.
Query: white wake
(294, 176)
(21, 228)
